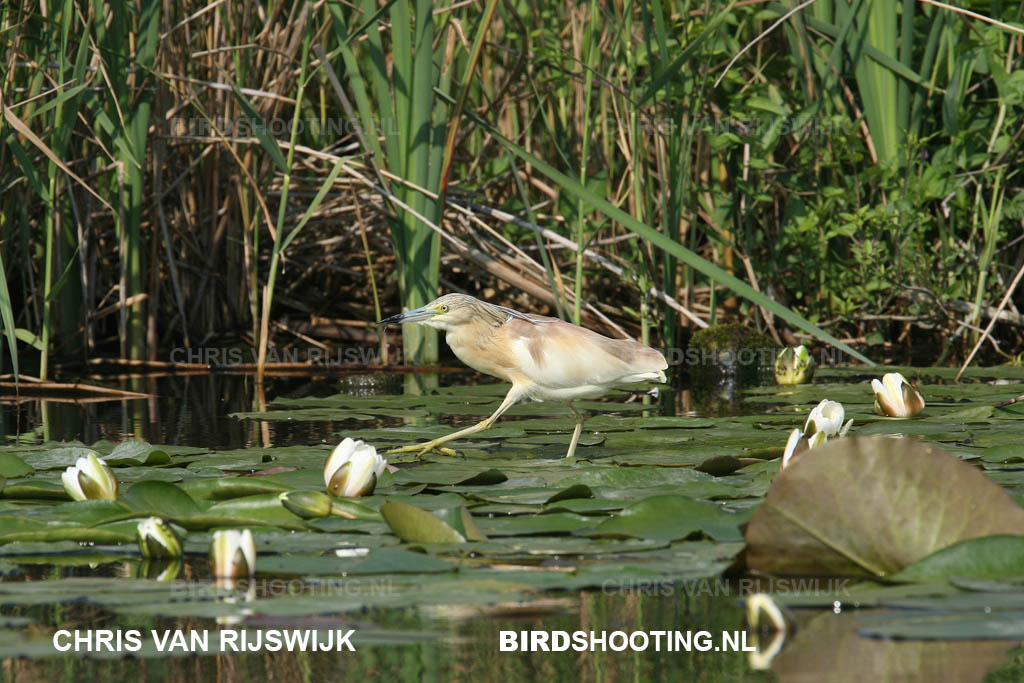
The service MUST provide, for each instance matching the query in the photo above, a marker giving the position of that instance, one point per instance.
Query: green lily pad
(462, 521)
(135, 452)
(671, 518)
(29, 530)
(449, 475)
(413, 524)
(585, 506)
(56, 458)
(84, 512)
(34, 488)
(265, 507)
(525, 525)
(12, 467)
(1004, 453)
(373, 561)
(576, 491)
(160, 498)
(971, 415)
(988, 557)
(720, 465)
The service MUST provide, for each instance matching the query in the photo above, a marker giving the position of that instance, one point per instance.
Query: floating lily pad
(720, 465)
(56, 458)
(374, 561)
(263, 507)
(670, 518)
(417, 525)
(449, 475)
(232, 487)
(85, 512)
(160, 498)
(576, 491)
(988, 557)
(135, 452)
(873, 506)
(30, 530)
(34, 487)
(1004, 453)
(11, 466)
(526, 525)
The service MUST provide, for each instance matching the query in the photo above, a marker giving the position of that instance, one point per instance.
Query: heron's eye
(444, 308)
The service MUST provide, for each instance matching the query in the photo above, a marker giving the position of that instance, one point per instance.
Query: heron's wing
(560, 355)
(528, 317)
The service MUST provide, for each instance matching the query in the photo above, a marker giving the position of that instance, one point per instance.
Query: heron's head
(445, 313)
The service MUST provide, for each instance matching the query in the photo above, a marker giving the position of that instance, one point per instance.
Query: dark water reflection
(195, 410)
(187, 410)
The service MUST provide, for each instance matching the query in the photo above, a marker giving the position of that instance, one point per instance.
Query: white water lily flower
(827, 417)
(895, 397)
(797, 444)
(792, 444)
(233, 553)
(353, 468)
(90, 479)
(794, 365)
(157, 538)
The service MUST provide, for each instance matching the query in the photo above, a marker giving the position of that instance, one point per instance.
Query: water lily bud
(797, 444)
(233, 553)
(90, 479)
(894, 397)
(353, 468)
(816, 440)
(827, 417)
(794, 365)
(307, 504)
(157, 538)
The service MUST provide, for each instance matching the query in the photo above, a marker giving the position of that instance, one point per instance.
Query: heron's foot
(421, 449)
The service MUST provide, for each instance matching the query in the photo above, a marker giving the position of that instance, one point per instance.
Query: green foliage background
(856, 161)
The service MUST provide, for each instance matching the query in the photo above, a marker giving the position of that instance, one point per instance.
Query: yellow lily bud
(794, 366)
(90, 479)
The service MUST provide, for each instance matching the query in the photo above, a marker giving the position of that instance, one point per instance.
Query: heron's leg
(513, 396)
(576, 432)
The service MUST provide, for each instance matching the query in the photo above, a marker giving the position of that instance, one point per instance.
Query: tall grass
(172, 176)
(397, 101)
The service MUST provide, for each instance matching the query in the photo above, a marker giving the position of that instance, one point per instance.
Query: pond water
(438, 611)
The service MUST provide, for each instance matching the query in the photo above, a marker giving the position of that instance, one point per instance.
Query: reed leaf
(7, 316)
(677, 250)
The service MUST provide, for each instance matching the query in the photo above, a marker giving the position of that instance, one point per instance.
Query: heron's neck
(470, 340)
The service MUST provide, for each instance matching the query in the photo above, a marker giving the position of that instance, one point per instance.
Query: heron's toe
(403, 449)
(421, 449)
(425, 448)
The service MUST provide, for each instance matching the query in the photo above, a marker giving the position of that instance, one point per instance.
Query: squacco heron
(545, 359)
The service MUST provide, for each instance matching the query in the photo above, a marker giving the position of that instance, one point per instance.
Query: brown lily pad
(872, 506)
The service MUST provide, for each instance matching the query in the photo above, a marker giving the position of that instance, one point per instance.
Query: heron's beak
(414, 316)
